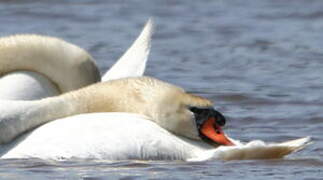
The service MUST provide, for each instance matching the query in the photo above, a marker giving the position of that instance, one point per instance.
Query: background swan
(45, 56)
(47, 66)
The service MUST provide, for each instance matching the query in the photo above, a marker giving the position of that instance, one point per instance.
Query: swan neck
(59, 107)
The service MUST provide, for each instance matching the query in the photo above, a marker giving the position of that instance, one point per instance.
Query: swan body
(124, 136)
(136, 138)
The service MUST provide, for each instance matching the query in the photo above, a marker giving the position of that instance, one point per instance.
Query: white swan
(44, 57)
(47, 66)
(99, 135)
(167, 105)
(166, 118)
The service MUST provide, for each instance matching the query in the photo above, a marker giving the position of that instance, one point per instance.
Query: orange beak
(214, 132)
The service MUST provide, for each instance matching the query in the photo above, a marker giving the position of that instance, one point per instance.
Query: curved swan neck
(17, 117)
(47, 55)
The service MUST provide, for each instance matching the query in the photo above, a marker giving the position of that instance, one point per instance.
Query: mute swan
(138, 138)
(47, 66)
(44, 56)
(168, 124)
(165, 104)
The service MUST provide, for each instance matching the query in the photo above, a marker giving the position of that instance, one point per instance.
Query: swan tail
(133, 61)
(261, 150)
(66, 65)
(254, 150)
(297, 144)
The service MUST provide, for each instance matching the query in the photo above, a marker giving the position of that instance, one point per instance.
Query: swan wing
(133, 62)
(124, 136)
(110, 136)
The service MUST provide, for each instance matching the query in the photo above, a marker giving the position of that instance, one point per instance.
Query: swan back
(124, 136)
(118, 136)
(66, 65)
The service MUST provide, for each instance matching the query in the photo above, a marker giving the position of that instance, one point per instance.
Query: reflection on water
(261, 63)
(37, 169)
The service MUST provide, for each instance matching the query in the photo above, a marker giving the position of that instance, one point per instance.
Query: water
(261, 62)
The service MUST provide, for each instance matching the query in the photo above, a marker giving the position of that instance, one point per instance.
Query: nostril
(216, 128)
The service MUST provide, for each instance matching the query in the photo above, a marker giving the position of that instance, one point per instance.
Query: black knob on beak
(219, 118)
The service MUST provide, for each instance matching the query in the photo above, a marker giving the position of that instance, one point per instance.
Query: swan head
(193, 117)
(209, 123)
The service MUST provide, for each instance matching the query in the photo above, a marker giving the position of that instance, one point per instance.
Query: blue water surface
(261, 62)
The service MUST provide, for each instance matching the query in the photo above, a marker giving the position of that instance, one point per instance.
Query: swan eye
(204, 113)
